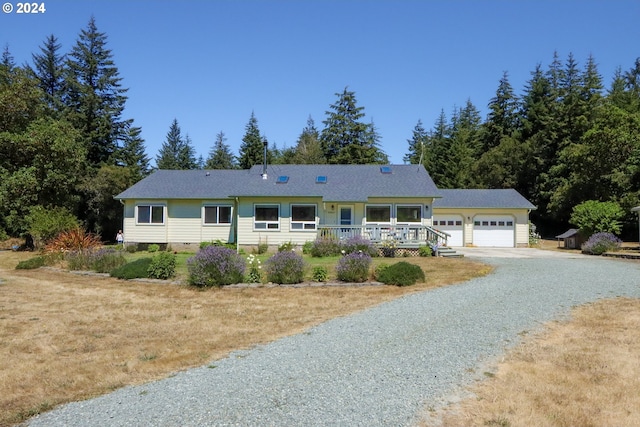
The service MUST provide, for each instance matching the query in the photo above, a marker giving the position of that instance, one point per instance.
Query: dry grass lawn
(65, 337)
(583, 372)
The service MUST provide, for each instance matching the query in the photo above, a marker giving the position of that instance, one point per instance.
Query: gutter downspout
(235, 225)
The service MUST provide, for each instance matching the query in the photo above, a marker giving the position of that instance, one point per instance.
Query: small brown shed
(572, 239)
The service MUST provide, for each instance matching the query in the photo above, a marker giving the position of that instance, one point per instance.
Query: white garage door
(451, 224)
(494, 231)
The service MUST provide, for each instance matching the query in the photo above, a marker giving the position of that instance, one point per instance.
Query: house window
(409, 213)
(217, 215)
(378, 213)
(303, 217)
(150, 214)
(266, 217)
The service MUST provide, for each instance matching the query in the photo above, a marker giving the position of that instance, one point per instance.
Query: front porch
(398, 236)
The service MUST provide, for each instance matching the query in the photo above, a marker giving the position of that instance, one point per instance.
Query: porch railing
(401, 234)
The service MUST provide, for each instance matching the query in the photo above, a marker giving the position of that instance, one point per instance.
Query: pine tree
(437, 159)
(252, 147)
(94, 97)
(502, 119)
(176, 152)
(418, 150)
(132, 155)
(632, 87)
(187, 155)
(465, 145)
(308, 149)
(49, 69)
(345, 138)
(220, 156)
(7, 61)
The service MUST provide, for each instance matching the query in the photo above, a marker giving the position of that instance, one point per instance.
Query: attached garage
(451, 224)
(494, 231)
(496, 218)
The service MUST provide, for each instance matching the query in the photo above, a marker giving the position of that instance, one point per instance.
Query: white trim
(410, 205)
(366, 218)
(494, 230)
(151, 205)
(217, 206)
(304, 224)
(267, 223)
(351, 209)
(453, 225)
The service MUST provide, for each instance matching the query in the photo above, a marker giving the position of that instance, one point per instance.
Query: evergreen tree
(437, 157)
(345, 138)
(176, 152)
(132, 155)
(581, 99)
(540, 131)
(252, 147)
(308, 149)
(418, 150)
(94, 97)
(187, 155)
(220, 156)
(7, 61)
(49, 69)
(20, 99)
(502, 119)
(465, 146)
(632, 87)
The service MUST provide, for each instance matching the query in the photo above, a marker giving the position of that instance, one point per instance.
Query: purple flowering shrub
(600, 243)
(359, 243)
(329, 246)
(102, 260)
(285, 268)
(215, 266)
(354, 267)
(325, 246)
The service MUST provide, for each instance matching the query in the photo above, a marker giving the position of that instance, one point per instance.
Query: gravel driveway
(380, 367)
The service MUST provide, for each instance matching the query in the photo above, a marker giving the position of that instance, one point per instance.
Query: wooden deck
(401, 236)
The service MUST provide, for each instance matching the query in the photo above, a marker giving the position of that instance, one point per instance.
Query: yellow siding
(522, 230)
(520, 216)
(142, 233)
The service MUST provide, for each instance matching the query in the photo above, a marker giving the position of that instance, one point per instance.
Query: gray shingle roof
(570, 232)
(344, 183)
(481, 199)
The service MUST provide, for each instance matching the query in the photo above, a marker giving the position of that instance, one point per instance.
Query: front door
(346, 218)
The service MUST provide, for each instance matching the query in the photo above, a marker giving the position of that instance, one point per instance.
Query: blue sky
(209, 64)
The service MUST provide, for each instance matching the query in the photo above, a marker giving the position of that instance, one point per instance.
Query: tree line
(64, 142)
(564, 141)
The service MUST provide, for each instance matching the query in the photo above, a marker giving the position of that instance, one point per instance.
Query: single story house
(484, 217)
(296, 203)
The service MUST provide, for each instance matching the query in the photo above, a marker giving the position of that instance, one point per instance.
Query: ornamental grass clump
(285, 268)
(215, 266)
(600, 243)
(354, 267)
(359, 243)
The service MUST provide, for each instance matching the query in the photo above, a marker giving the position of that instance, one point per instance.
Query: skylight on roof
(385, 169)
(282, 179)
(321, 179)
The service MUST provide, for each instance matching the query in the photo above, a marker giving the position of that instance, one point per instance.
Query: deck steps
(447, 252)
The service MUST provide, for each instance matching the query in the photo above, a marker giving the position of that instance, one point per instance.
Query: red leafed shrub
(73, 240)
